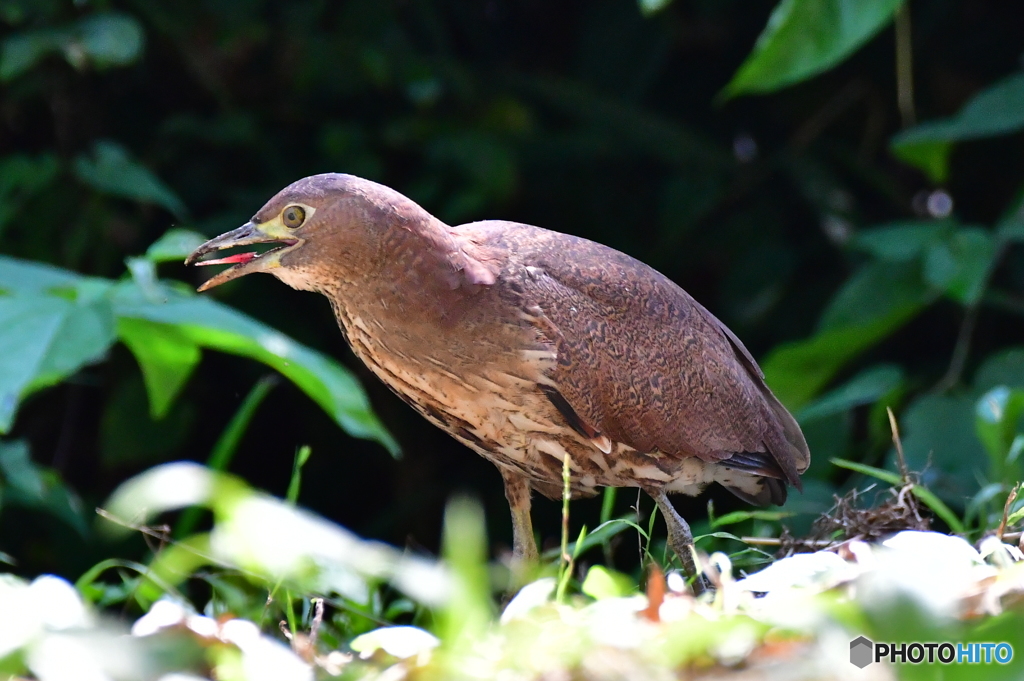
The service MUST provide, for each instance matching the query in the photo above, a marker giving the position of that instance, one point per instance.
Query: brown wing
(642, 362)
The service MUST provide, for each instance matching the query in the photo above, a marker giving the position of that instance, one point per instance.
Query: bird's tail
(785, 440)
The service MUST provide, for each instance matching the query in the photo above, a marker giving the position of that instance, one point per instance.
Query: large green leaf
(956, 260)
(166, 355)
(939, 440)
(797, 371)
(900, 241)
(47, 338)
(60, 321)
(878, 299)
(997, 110)
(112, 170)
(877, 290)
(24, 276)
(209, 324)
(864, 388)
(806, 37)
(960, 265)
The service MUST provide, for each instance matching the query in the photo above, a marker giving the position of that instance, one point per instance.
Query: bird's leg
(679, 538)
(524, 546)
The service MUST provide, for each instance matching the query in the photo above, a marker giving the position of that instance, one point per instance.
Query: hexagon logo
(861, 652)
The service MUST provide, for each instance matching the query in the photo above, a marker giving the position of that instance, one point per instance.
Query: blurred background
(852, 228)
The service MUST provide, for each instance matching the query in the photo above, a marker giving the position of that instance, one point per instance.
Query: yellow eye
(293, 216)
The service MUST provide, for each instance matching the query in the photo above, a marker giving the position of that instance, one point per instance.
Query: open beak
(246, 262)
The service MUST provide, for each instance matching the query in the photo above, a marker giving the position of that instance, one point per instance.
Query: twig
(565, 563)
(566, 492)
(904, 66)
(160, 532)
(1006, 510)
(904, 473)
(777, 541)
(836, 106)
(960, 351)
(318, 619)
(966, 333)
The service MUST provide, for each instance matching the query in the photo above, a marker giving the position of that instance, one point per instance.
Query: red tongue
(230, 260)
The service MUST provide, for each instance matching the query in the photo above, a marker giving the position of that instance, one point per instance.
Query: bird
(536, 349)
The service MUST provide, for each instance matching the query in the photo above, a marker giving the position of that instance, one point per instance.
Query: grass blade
(227, 444)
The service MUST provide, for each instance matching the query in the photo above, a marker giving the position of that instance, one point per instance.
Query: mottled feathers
(642, 362)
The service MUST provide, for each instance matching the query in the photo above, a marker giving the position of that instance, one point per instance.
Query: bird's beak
(246, 263)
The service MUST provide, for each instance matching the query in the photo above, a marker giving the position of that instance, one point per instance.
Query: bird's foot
(680, 539)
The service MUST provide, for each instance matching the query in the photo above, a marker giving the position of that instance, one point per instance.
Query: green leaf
(602, 583)
(883, 475)
(939, 441)
(997, 110)
(877, 290)
(601, 535)
(797, 371)
(930, 157)
(1005, 367)
(109, 39)
(100, 40)
(174, 245)
(997, 420)
(652, 7)
(23, 276)
(33, 486)
(1011, 231)
(878, 299)
(806, 37)
(1016, 516)
(46, 339)
(144, 276)
(22, 51)
(112, 170)
(960, 265)
(61, 321)
(209, 324)
(742, 516)
(900, 241)
(166, 356)
(864, 388)
(295, 484)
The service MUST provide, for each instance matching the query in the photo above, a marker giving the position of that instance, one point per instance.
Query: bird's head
(322, 229)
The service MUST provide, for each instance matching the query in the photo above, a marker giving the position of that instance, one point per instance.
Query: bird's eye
(293, 216)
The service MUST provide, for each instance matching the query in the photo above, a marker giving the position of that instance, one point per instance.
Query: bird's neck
(412, 278)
